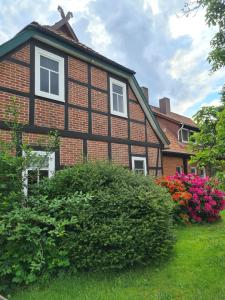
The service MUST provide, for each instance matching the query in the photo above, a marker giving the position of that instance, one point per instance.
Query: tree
(208, 143)
(215, 16)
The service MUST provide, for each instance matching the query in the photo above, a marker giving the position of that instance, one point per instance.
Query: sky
(167, 50)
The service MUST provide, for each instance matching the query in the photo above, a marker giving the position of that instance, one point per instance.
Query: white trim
(204, 172)
(51, 168)
(134, 158)
(131, 79)
(124, 87)
(194, 168)
(181, 169)
(60, 60)
(184, 141)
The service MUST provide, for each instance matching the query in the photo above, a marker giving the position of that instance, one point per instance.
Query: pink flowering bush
(204, 203)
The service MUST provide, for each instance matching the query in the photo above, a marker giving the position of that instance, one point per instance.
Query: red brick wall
(151, 136)
(34, 139)
(97, 150)
(52, 115)
(138, 150)
(136, 112)
(14, 76)
(71, 151)
(99, 101)
(22, 104)
(152, 156)
(49, 114)
(170, 164)
(5, 136)
(78, 94)
(119, 127)
(77, 69)
(99, 78)
(23, 54)
(99, 124)
(120, 154)
(137, 132)
(78, 120)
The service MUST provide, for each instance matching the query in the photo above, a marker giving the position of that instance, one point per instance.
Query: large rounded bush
(88, 217)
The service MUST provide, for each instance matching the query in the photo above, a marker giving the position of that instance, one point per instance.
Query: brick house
(178, 129)
(95, 104)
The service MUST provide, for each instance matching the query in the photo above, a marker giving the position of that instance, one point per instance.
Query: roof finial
(68, 16)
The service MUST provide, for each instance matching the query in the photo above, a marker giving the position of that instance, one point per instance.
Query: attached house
(178, 130)
(95, 104)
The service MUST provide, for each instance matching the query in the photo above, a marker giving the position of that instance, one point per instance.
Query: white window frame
(124, 87)
(38, 53)
(194, 168)
(181, 169)
(134, 158)
(204, 172)
(51, 168)
(184, 141)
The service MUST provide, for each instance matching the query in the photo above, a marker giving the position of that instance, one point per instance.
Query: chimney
(164, 105)
(145, 91)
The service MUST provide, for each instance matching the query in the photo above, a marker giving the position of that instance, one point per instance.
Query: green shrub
(89, 217)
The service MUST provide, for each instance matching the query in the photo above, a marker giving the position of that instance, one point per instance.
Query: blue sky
(167, 51)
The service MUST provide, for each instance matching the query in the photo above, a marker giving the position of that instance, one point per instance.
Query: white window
(49, 75)
(185, 135)
(43, 168)
(139, 165)
(118, 97)
(193, 170)
(179, 169)
(202, 173)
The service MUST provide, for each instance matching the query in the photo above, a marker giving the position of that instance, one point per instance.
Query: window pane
(120, 102)
(185, 135)
(43, 174)
(193, 171)
(31, 180)
(178, 170)
(115, 102)
(117, 89)
(139, 164)
(54, 83)
(44, 80)
(49, 63)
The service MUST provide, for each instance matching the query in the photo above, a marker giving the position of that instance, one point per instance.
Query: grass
(195, 271)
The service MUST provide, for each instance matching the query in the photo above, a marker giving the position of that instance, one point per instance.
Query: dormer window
(49, 75)
(118, 97)
(185, 134)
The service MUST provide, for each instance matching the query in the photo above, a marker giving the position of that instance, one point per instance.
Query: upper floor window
(185, 134)
(118, 97)
(49, 75)
(139, 165)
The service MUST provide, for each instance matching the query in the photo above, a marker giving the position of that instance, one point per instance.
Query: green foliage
(208, 143)
(215, 16)
(88, 217)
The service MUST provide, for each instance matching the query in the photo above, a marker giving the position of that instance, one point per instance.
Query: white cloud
(190, 65)
(214, 102)
(153, 5)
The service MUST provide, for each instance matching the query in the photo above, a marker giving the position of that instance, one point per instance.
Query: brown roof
(61, 35)
(175, 145)
(174, 117)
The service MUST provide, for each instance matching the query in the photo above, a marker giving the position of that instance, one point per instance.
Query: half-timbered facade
(95, 104)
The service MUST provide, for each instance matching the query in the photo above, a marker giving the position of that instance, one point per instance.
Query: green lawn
(195, 271)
